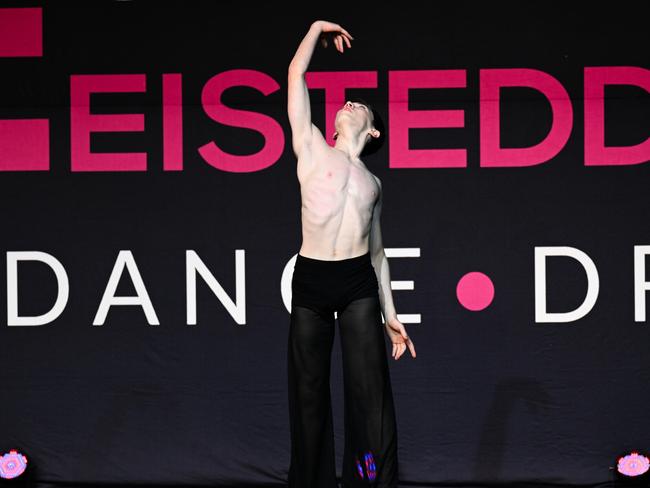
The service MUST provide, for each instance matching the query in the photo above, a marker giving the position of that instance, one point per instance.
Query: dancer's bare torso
(338, 197)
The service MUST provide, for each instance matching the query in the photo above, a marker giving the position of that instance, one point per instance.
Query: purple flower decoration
(12, 464)
(634, 464)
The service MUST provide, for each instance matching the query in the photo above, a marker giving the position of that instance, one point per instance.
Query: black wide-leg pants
(349, 287)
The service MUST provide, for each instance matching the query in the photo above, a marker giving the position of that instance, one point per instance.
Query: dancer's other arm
(395, 330)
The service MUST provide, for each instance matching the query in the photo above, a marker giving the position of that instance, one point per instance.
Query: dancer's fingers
(347, 33)
(412, 348)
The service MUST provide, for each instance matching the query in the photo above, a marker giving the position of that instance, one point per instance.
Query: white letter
(194, 264)
(640, 285)
(109, 298)
(63, 287)
(540, 284)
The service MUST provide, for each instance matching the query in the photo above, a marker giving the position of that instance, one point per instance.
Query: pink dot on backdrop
(475, 290)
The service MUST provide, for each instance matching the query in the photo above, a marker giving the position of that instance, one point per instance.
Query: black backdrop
(495, 395)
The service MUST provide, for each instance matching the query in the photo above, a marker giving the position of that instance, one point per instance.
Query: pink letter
(491, 80)
(172, 122)
(267, 126)
(21, 32)
(402, 119)
(82, 123)
(24, 143)
(596, 154)
(335, 84)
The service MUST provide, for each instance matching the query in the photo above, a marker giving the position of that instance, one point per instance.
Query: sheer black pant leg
(311, 337)
(369, 412)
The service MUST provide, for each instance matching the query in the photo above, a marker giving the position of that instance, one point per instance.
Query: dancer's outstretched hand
(398, 336)
(335, 31)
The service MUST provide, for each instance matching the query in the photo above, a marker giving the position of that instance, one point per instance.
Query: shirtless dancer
(341, 267)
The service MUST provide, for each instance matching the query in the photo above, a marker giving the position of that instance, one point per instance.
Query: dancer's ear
(336, 134)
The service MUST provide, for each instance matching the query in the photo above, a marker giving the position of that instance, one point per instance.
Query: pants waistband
(342, 264)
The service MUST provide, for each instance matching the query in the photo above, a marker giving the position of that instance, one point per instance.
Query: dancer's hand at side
(398, 336)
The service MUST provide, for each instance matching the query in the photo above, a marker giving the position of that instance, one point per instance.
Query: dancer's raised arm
(298, 106)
